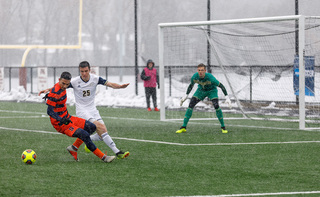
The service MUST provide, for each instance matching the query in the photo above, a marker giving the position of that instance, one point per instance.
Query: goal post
(301, 72)
(253, 58)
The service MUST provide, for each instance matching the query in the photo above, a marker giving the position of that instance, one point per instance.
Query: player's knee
(82, 134)
(215, 103)
(193, 102)
(101, 128)
(90, 127)
(85, 137)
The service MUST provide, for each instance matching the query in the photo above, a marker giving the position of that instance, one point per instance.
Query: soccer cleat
(86, 149)
(149, 109)
(181, 130)
(156, 109)
(73, 152)
(122, 155)
(224, 130)
(108, 159)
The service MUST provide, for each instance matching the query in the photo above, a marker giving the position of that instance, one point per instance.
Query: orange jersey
(57, 99)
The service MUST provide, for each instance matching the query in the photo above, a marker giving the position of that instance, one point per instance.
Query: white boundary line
(173, 143)
(35, 131)
(258, 194)
(180, 144)
(218, 144)
(214, 144)
(11, 117)
(229, 125)
(23, 112)
(169, 121)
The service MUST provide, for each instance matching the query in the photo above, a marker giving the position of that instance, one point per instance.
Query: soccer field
(256, 158)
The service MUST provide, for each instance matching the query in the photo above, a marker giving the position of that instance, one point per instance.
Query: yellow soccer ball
(29, 156)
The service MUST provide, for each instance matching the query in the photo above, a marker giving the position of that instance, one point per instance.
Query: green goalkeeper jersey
(208, 83)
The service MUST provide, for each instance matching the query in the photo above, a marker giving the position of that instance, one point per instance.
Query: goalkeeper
(207, 88)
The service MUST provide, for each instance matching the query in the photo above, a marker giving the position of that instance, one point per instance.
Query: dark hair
(66, 75)
(202, 65)
(84, 64)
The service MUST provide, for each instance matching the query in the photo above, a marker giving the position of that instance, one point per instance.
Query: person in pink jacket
(151, 78)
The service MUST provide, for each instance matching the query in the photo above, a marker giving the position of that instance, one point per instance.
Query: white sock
(107, 139)
(95, 137)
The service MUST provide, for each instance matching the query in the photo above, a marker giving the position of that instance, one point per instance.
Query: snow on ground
(104, 97)
(263, 89)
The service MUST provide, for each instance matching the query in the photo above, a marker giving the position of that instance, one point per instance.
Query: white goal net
(269, 66)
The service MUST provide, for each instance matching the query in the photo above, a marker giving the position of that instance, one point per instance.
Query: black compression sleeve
(190, 88)
(223, 89)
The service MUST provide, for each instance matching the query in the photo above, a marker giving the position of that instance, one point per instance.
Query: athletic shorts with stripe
(71, 127)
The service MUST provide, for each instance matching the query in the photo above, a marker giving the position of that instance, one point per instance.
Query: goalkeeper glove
(65, 121)
(228, 101)
(183, 100)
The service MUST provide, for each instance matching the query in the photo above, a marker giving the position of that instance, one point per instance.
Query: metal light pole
(208, 43)
(136, 44)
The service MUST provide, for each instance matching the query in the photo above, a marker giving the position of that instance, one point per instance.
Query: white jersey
(84, 93)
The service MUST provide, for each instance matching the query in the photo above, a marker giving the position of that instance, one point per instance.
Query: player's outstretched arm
(116, 86)
(44, 91)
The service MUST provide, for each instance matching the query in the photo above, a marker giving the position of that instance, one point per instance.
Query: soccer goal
(269, 66)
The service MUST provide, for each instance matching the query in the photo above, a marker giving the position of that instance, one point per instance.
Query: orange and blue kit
(57, 109)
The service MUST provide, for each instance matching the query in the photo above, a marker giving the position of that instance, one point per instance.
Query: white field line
(180, 144)
(43, 115)
(173, 143)
(259, 194)
(25, 117)
(23, 112)
(248, 126)
(217, 144)
(210, 123)
(176, 122)
(26, 130)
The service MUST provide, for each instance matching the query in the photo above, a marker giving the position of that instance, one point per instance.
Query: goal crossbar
(231, 21)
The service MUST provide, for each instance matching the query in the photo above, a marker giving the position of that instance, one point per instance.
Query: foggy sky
(108, 26)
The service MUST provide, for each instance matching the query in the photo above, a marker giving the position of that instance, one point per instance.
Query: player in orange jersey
(69, 125)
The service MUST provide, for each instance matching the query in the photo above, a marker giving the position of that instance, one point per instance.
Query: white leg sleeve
(107, 139)
(95, 137)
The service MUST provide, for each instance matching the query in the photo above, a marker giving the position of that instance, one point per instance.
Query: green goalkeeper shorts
(200, 94)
